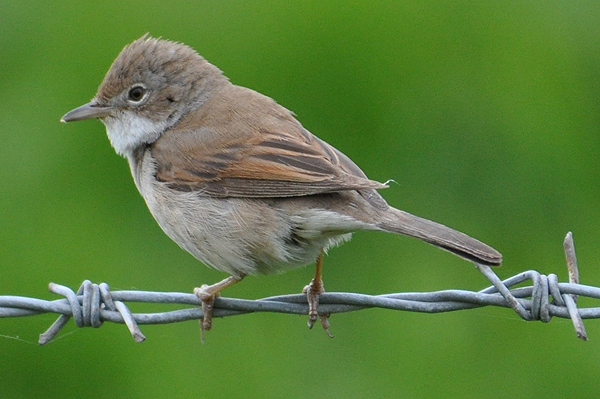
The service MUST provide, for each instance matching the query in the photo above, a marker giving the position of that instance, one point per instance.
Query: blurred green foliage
(486, 114)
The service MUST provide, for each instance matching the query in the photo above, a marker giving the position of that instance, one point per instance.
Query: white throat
(127, 131)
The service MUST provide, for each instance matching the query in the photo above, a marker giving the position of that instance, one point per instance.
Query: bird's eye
(137, 93)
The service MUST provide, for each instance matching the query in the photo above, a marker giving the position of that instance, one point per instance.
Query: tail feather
(460, 244)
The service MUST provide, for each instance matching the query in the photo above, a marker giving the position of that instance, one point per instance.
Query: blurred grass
(486, 116)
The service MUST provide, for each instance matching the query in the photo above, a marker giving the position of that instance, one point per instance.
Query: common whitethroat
(234, 179)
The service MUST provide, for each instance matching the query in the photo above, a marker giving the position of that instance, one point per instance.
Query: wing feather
(224, 154)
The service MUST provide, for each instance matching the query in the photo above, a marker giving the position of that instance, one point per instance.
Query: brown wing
(251, 147)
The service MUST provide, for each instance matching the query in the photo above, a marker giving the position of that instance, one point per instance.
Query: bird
(235, 179)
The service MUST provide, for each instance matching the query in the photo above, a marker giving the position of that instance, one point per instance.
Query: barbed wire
(94, 304)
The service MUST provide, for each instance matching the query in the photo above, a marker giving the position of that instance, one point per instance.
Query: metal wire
(94, 304)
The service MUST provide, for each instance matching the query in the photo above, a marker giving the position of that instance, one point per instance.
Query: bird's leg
(207, 294)
(312, 291)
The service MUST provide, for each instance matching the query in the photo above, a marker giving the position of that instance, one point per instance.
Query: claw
(325, 324)
(207, 294)
(208, 301)
(313, 291)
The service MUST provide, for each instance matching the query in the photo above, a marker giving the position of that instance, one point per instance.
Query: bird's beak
(86, 111)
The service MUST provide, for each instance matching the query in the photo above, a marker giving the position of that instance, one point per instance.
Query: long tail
(458, 243)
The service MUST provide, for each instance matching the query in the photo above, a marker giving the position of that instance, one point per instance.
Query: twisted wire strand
(94, 304)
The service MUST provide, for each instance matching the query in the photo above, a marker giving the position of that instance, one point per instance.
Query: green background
(486, 114)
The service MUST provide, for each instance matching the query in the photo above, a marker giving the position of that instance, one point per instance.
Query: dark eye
(136, 93)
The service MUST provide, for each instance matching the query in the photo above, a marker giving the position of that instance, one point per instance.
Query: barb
(94, 304)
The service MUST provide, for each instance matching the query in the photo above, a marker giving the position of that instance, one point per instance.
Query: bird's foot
(313, 291)
(207, 294)
(208, 300)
